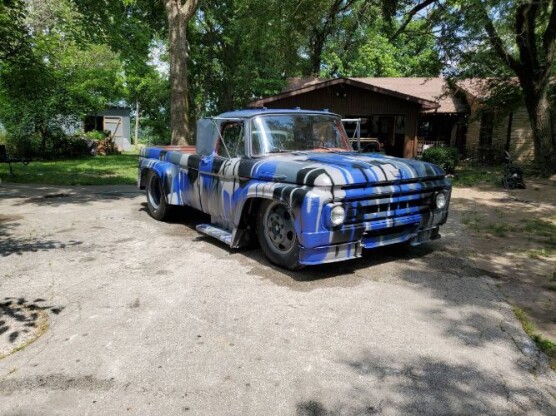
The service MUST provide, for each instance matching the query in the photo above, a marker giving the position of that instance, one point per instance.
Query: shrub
(54, 145)
(75, 146)
(23, 146)
(445, 157)
(94, 135)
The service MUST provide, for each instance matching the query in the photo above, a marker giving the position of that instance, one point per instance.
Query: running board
(218, 233)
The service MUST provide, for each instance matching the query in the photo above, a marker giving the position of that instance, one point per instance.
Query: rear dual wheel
(156, 200)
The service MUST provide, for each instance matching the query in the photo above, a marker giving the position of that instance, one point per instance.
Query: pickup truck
(291, 180)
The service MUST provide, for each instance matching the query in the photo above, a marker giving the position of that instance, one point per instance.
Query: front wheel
(277, 236)
(156, 200)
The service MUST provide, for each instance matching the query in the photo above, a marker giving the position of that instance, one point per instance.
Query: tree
(533, 66)
(148, 92)
(374, 54)
(131, 27)
(520, 35)
(179, 14)
(13, 35)
(322, 29)
(241, 50)
(57, 79)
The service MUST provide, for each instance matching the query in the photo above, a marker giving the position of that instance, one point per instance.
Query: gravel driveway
(152, 318)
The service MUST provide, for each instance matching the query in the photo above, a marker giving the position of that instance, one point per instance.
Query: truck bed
(182, 149)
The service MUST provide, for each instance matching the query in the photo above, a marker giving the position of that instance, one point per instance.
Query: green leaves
(13, 36)
(57, 77)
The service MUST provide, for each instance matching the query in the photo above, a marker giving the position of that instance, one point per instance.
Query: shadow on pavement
(21, 319)
(55, 196)
(10, 244)
(435, 387)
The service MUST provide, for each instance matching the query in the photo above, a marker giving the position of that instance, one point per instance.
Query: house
(491, 130)
(408, 115)
(116, 121)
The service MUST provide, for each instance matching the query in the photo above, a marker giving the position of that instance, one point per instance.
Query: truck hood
(340, 169)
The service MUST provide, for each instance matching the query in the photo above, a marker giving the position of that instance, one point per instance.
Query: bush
(68, 147)
(54, 145)
(58, 145)
(23, 146)
(445, 157)
(94, 135)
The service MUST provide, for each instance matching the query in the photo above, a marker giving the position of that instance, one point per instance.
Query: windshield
(297, 132)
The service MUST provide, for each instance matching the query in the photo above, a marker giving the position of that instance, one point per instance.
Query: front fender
(306, 204)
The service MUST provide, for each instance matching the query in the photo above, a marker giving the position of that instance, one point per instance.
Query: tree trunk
(540, 116)
(533, 71)
(178, 17)
(317, 46)
(136, 138)
(43, 131)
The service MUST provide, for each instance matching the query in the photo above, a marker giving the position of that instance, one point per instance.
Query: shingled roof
(434, 94)
(432, 89)
(301, 86)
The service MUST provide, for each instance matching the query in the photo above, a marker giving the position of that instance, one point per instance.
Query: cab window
(231, 143)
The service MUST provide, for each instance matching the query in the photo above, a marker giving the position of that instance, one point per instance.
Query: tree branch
(548, 41)
(188, 8)
(498, 45)
(525, 36)
(355, 25)
(410, 16)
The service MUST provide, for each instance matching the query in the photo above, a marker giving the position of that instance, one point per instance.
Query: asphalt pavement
(127, 315)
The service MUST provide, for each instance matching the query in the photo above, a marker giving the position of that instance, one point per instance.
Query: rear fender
(168, 174)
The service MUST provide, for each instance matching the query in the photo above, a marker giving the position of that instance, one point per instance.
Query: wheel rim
(155, 192)
(279, 229)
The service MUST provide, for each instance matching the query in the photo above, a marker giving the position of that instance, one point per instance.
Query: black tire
(277, 236)
(156, 199)
(509, 183)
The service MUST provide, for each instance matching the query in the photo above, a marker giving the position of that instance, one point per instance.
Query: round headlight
(440, 200)
(337, 215)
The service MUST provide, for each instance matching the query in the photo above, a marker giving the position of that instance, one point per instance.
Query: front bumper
(348, 242)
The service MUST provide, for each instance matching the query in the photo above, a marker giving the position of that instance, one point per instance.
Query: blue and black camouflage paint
(387, 200)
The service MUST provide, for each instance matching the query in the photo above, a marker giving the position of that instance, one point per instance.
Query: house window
(425, 128)
(487, 127)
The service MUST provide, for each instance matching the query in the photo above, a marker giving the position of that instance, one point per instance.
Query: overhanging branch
(410, 16)
(498, 45)
(549, 37)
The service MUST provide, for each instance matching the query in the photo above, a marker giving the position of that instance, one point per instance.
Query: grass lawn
(93, 170)
(545, 345)
(480, 175)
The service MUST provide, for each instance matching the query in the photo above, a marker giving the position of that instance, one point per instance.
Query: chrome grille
(389, 201)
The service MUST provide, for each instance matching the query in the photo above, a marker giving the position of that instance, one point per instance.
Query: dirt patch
(513, 235)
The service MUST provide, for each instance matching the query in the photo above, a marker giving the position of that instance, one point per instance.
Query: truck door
(219, 173)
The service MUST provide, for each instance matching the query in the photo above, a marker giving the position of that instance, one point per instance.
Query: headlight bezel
(336, 215)
(440, 200)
